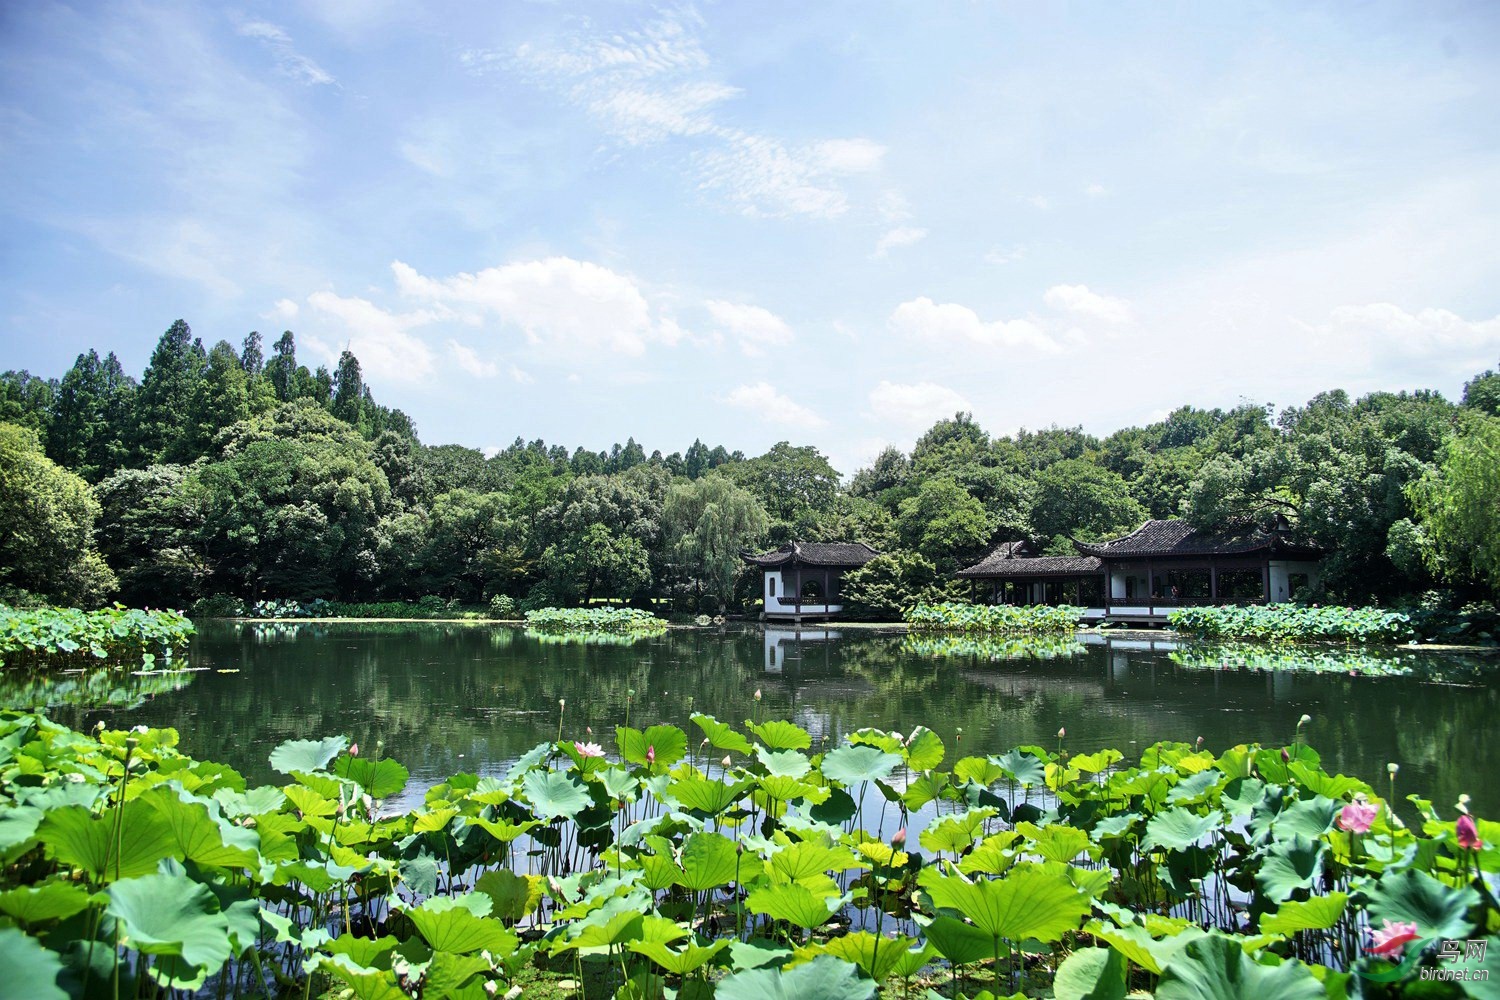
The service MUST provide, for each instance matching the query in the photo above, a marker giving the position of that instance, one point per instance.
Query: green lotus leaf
(1023, 768)
(617, 921)
(692, 956)
(310, 803)
(366, 984)
(1333, 786)
(876, 956)
(447, 973)
(203, 836)
(757, 953)
(528, 761)
(979, 770)
(1316, 914)
(512, 896)
(721, 735)
(307, 755)
(500, 829)
(1215, 967)
(824, 978)
(76, 837)
(1177, 829)
(1242, 795)
(795, 904)
(371, 953)
(875, 738)
(1195, 788)
(1091, 974)
(784, 763)
(49, 901)
(18, 825)
(807, 862)
(1137, 944)
(1310, 818)
(784, 789)
(1026, 903)
(959, 943)
(709, 860)
(1096, 763)
(780, 735)
(666, 745)
(254, 802)
(993, 855)
(554, 793)
(172, 915)
(1056, 842)
(1412, 896)
(853, 764)
(461, 924)
(928, 786)
(956, 833)
(923, 749)
(30, 970)
(379, 778)
(708, 795)
(1290, 865)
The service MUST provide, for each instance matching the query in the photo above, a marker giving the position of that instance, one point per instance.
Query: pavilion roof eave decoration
(833, 555)
(1039, 566)
(1165, 538)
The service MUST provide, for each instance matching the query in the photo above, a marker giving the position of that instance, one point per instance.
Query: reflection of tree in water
(63, 693)
(433, 692)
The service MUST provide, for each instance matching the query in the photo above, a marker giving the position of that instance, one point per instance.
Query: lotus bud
(1463, 803)
(589, 730)
(630, 693)
(1199, 744)
(354, 749)
(1468, 833)
(727, 762)
(757, 694)
(99, 726)
(1303, 721)
(1286, 758)
(651, 754)
(1062, 732)
(491, 987)
(898, 839)
(1391, 769)
(562, 703)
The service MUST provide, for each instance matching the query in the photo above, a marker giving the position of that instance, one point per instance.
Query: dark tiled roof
(1018, 566)
(1176, 537)
(848, 554)
(1005, 552)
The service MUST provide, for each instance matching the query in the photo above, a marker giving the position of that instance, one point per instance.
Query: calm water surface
(449, 698)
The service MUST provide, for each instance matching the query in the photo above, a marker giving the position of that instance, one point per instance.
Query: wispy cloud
(900, 236)
(916, 404)
(1079, 300)
(288, 60)
(657, 85)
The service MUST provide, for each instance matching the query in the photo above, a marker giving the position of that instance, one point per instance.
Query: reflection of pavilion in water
(793, 645)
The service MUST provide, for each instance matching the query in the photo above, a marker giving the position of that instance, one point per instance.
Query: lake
(444, 698)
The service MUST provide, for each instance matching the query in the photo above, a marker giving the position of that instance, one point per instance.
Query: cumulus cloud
(770, 405)
(469, 360)
(1430, 335)
(900, 236)
(1078, 299)
(752, 327)
(917, 404)
(381, 340)
(950, 322)
(285, 310)
(564, 307)
(288, 60)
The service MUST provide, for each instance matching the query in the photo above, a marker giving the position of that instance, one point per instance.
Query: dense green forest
(224, 471)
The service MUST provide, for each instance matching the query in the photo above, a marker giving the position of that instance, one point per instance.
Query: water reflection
(447, 697)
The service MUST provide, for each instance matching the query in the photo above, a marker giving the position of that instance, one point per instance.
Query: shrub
(502, 606)
(218, 606)
(605, 619)
(952, 616)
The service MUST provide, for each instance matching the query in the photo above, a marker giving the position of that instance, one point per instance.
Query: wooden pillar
(1265, 580)
(1213, 580)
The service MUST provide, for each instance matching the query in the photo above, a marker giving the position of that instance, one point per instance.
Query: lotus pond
(1023, 815)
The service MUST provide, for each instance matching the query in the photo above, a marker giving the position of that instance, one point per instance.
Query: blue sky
(829, 223)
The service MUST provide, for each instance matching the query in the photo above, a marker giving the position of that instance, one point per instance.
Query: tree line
(224, 471)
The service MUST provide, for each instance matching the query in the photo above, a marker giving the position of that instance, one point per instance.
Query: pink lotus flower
(354, 749)
(589, 749)
(1390, 940)
(651, 754)
(1358, 817)
(898, 839)
(1468, 834)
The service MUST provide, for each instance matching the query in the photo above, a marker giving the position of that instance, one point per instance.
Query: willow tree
(1459, 508)
(707, 522)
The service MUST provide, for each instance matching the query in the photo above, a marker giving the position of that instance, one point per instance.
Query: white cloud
(656, 86)
(1001, 256)
(850, 156)
(1425, 335)
(288, 60)
(901, 236)
(771, 406)
(566, 308)
(926, 319)
(380, 339)
(1080, 300)
(1040, 202)
(754, 328)
(917, 404)
(1096, 190)
(285, 310)
(470, 361)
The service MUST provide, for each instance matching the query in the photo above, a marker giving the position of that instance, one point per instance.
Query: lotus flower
(1468, 834)
(589, 749)
(1062, 732)
(1358, 817)
(354, 749)
(651, 754)
(898, 839)
(757, 694)
(1390, 940)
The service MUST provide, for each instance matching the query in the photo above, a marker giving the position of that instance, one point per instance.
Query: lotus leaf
(48, 901)
(689, 958)
(781, 735)
(1318, 913)
(721, 735)
(1091, 974)
(824, 978)
(30, 970)
(379, 778)
(1026, 903)
(461, 924)
(307, 755)
(979, 770)
(1290, 866)
(1056, 842)
(876, 956)
(795, 904)
(172, 915)
(959, 943)
(658, 747)
(807, 862)
(1215, 967)
(853, 764)
(75, 837)
(553, 793)
(1411, 896)
(783, 763)
(1178, 828)
(1022, 768)
(923, 750)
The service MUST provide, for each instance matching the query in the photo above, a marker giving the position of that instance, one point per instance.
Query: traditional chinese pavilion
(805, 579)
(1162, 565)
